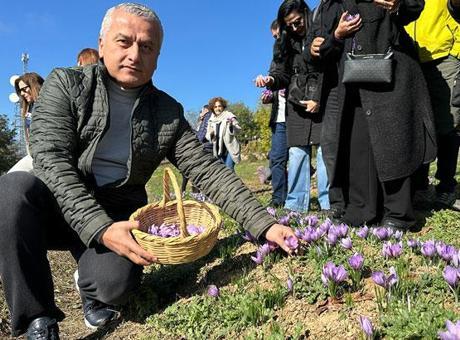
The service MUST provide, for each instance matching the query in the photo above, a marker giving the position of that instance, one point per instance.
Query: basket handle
(168, 175)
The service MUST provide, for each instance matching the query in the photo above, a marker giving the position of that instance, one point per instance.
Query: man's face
(295, 23)
(130, 48)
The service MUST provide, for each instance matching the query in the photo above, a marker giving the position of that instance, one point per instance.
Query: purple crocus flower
(259, 258)
(346, 243)
(453, 331)
(311, 220)
(308, 234)
(264, 249)
(194, 229)
(267, 92)
(328, 272)
(289, 284)
(393, 278)
(392, 250)
(366, 326)
(326, 225)
(271, 211)
(292, 242)
(356, 261)
(318, 233)
(334, 273)
(445, 251)
(455, 259)
(386, 282)
(332, 238)
(379, 278)
(342, 230)
(451, 275)
(398, 234)
(284, 220)
(340, 274)
(381, 233)
(428, 248)
(293, 214)
(412, 243)
(213, 291)
(299, 233)
(323, 229)
(362, 232)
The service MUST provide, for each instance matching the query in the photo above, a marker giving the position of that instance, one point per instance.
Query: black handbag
(368, 68)
(296, 90)
(304, 87)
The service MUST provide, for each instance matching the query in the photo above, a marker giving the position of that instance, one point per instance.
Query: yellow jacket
(435, 32)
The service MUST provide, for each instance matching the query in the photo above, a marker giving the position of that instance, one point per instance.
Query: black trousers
(366, 198)
(30, 224)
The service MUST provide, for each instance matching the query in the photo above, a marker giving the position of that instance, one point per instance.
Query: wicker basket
(184, 248)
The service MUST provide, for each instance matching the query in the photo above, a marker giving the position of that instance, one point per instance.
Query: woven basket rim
(214, 211)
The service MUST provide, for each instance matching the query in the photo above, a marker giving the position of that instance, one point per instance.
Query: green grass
(245, 170)
(253, 301)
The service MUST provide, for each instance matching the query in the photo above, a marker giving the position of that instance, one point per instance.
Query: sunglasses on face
(295, 24)
(24, 89)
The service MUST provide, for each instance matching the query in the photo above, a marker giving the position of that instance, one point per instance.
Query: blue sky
(211, 47)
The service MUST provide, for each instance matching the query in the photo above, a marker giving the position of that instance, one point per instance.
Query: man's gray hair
(135, 9)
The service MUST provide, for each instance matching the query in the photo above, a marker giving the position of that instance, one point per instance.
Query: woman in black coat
(374, 135)
(303, 119)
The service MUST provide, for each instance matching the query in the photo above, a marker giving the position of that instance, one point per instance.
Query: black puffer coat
(399, 114)
(70, 118)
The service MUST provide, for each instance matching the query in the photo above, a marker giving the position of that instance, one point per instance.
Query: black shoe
(98, 314)
(43, 328)
(396, 226)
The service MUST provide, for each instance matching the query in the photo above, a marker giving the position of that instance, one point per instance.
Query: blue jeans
(298, 197)
(278, 163)
(228, 161)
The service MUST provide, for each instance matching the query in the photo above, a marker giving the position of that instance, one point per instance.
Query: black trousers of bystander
(368, 200)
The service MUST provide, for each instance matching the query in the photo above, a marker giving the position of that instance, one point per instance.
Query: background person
(384, 132)
(303, 120)
(87, 56)
(202, 127)
(278, 155)
(27, 87)
(222, 130)
(437, 38)
(90, 177)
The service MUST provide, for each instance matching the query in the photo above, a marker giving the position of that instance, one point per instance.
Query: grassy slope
(254, 302)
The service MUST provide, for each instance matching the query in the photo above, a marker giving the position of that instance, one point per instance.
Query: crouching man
(98, 134)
